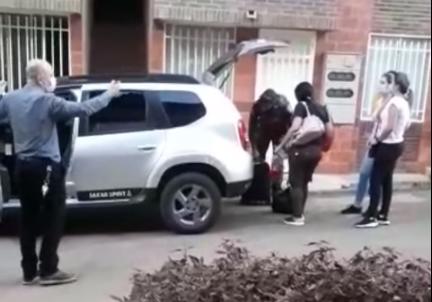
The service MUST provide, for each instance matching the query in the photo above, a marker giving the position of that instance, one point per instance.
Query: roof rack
(78, 81)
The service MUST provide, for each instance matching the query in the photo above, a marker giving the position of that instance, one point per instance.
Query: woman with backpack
(386, 147)
(310, 134)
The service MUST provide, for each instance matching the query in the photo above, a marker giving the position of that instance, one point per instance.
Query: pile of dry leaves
(317, 277)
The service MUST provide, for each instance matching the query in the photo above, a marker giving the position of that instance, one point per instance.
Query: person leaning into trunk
(33, 112)
(304, 159)
(387, 144)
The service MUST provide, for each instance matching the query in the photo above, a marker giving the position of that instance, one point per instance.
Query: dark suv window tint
(66, 94)
(182, 107)
(126, 113)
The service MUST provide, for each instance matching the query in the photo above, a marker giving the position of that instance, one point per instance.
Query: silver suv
(168, 138)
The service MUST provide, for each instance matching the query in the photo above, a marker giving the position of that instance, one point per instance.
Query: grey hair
(34, 69)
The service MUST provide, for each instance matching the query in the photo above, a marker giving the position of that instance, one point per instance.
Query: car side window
(126, 113)
(182, 107)
(66, 94)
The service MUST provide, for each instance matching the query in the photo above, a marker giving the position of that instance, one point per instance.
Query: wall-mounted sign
(341, 85)
(340, 93)
(341, 76)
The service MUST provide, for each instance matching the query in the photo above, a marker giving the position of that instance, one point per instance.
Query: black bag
(373, 151)
(259, 192)
(282, 202)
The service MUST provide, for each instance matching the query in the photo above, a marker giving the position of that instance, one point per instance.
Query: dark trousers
(40, 213)
(302, 164)
(263, 144)
(381, 182)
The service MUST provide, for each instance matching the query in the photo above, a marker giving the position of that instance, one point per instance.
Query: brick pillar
(76, 47)
(245, 75)
(425, 142)
(353, 25)
(156, 55)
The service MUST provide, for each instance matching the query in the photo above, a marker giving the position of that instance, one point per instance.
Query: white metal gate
(191, 50)
(287, 67)
(25, 37)
(411, 55)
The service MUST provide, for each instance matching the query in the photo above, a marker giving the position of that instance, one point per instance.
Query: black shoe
(383, 220)
(367, 223)
(58, 278)
(30, 281)
(352, 210)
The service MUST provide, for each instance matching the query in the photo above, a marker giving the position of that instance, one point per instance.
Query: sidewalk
(327, 184)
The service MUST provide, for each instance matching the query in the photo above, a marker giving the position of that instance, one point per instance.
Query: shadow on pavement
(100, 220)
(143, 218)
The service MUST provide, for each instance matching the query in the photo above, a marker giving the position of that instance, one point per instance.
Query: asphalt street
(106, 247)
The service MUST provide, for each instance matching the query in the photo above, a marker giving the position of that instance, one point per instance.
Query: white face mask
(385, 88)
(52, 84)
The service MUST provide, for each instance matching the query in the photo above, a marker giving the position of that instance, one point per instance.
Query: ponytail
(409, 96)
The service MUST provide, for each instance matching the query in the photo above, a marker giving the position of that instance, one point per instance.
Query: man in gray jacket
(33, 112)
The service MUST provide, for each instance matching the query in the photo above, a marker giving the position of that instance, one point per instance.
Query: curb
(350, 190)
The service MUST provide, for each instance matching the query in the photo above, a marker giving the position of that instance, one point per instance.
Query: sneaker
(295, 221)
(58, 278)
(367, 223)
(30, 281)
(384, 221)
(352, 210)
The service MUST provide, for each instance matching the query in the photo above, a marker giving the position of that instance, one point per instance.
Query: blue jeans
(364, 178)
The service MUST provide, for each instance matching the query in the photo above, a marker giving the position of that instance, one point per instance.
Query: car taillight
(243, 135)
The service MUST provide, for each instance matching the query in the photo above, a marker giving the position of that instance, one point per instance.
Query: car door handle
(146, 148)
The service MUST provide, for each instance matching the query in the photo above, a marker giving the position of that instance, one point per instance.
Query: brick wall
(402, 16)
(353, 24)
(424, 158)
(316, 14)
(408, 17)
(245, 75)
(118, 49)
(76, 47)
(349, 29)
(156, 52)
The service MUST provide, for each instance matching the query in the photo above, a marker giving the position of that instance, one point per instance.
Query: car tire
(185, 213)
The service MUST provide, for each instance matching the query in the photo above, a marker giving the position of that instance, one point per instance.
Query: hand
(373, 141)
(277, 160)
(280, 153)
(277, 150)
(114, 88)
(254, 152)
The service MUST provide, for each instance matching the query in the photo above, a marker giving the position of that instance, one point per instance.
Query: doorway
(119, 36)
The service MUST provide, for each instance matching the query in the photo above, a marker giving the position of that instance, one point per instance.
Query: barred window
(411, 55)
(25, 37)
(191, 50)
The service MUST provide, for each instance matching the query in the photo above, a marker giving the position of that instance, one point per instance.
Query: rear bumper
(237, 189)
